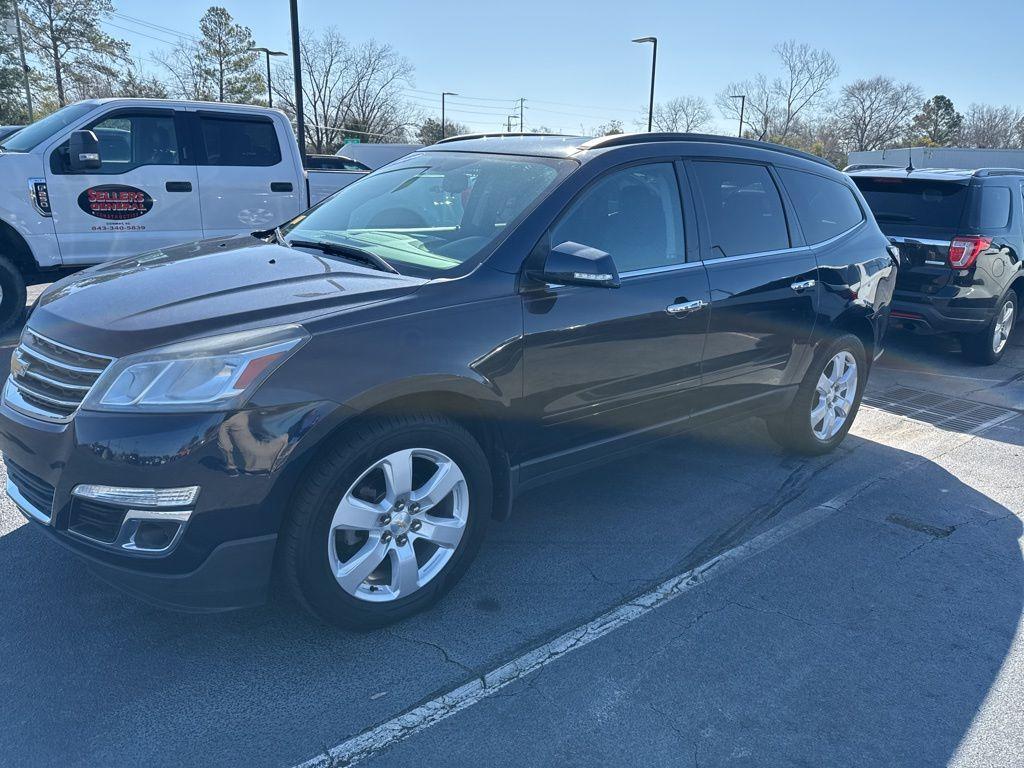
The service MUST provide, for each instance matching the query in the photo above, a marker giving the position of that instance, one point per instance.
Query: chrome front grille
(49, 380)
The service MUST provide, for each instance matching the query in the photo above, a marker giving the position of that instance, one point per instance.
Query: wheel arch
(16, 248)
(862, 327)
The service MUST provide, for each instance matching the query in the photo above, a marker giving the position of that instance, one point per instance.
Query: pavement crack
(440, 649)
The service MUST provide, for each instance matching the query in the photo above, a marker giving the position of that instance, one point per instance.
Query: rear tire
(812, 424)
(988, 347)
(12, 299)
(336, 531)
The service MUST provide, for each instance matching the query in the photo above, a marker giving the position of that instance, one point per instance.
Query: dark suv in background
(961, 239)
(353, 396)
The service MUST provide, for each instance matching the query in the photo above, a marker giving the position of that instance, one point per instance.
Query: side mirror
(84, 151)
(575, 264)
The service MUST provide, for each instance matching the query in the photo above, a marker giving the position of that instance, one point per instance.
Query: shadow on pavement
(91, 677)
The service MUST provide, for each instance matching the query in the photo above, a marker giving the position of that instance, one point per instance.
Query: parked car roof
(933, 174)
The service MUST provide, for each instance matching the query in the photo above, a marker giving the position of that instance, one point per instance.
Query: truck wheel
(12, 294)
(387, 521)
(827, 400)
(987, 347)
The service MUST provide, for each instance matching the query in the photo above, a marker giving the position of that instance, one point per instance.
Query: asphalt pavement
(856, 609)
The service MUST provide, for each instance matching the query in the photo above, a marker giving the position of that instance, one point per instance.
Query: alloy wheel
(398, 525)
(1003, 326)
(835, 393)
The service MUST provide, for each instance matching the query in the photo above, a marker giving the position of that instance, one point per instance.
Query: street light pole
(269, 53)
(743, 103)
(654, 70)
(444, 125)
(24, 63)
(300, 120)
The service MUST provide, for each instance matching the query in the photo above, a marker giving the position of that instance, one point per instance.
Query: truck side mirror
(84, 151)
(572, 263)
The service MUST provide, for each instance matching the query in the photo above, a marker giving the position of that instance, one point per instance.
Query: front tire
(827, 400)
(988, 347)
(387, 521)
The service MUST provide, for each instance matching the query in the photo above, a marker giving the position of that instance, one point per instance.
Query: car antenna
(910, 160)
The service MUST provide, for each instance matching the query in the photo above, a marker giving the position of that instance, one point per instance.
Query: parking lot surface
(862, 608)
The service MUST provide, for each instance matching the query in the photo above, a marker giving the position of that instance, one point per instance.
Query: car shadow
(91, 677)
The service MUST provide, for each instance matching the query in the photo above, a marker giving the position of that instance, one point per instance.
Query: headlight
(216, 373)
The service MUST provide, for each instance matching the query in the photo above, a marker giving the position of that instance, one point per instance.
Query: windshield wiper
(346, 252)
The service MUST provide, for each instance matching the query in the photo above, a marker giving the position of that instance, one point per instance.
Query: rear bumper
(922, 314)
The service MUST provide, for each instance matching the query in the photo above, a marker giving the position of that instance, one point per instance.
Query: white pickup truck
(103, 179)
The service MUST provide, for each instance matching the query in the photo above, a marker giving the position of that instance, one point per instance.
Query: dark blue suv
(349, 399)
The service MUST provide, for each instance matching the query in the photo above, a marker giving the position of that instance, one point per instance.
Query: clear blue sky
(558, 54)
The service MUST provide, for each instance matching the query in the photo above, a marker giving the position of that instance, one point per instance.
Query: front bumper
(245, 462)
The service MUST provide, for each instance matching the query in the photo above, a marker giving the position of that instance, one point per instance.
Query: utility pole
(654, 70)
(300, 120)
(444, 126)
(743, 103)
(508, 121)
(522, 101)
(24, 63)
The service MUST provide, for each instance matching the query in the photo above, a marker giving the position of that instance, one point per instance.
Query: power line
(142, 34)
(157, 27)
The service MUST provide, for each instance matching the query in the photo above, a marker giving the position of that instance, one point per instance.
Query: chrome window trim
(29, 509)
(658, 270)
(758, 255)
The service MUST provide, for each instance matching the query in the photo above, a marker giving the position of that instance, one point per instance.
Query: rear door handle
(685, 307)
(281, 186)
(178, 186)
(803, 285)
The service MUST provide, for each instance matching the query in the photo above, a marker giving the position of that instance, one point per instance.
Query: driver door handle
(803, 285)
(685, 307)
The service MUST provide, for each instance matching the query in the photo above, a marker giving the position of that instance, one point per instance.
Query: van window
(825, 207)
(239, 142)
(633, 214)
(744, 209)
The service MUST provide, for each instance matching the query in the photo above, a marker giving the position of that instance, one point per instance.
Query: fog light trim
(145, 497)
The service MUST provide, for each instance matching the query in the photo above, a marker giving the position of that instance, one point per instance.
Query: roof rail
(620, 139)
(468, 136)
(999, 172)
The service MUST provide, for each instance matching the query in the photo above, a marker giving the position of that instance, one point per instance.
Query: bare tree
(990, 127)
(683, 114)
(877, 113)
(611, 128)
(347, 89)
(188, 76)
(66, 37)
(775, 106)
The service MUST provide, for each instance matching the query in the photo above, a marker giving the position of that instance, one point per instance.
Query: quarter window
(633, 214)
(825, 207)
(744, 209)
(239, 142)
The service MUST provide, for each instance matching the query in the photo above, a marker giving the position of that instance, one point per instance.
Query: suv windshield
(431, 212)
(29, 137)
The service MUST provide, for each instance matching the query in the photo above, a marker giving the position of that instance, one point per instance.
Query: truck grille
(49, 380)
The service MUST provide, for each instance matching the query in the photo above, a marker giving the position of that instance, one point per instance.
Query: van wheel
(987, 347)
(387, 521)
(12, 294)
(827, 400)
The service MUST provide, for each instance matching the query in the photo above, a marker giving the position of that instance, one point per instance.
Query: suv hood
(203, 288)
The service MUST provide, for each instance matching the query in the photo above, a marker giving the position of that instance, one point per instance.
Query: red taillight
(963, 251)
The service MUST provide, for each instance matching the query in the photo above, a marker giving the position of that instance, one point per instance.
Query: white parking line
(431, 713)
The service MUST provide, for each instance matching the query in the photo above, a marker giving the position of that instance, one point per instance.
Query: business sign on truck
(115, 202)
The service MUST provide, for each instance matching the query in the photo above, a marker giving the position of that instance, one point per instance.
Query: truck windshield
(29, 137)
(431, 212)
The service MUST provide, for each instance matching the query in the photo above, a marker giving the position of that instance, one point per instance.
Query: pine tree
(939, 123)
(230, 67)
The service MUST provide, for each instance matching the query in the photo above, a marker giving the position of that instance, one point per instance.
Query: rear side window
(744, 208)
(229, 141)
(919, 202)
(990, 208)
(825, 207)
